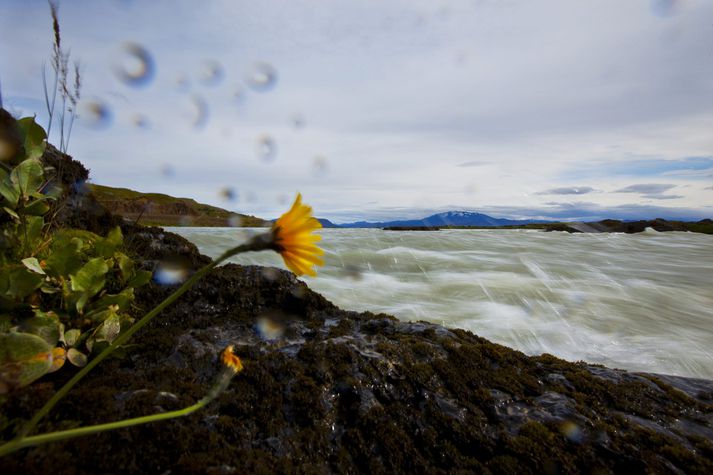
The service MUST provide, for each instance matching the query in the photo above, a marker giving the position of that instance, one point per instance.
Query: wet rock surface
(328, 390)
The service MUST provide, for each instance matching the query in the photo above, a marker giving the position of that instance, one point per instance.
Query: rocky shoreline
(341, 391)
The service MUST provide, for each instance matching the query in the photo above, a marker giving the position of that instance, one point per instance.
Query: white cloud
(397, 97)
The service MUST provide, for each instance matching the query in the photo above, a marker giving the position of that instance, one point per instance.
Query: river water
(641, 302)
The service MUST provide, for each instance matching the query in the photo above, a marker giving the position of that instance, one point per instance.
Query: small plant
(62, 296)
(62, 82)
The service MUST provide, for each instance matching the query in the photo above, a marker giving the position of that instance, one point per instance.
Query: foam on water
(639, 302)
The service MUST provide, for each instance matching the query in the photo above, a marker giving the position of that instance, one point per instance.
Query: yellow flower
(293, 239)
(230, 360)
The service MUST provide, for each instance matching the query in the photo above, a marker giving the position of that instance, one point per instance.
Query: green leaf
(35, 137)
(66, 257)
(76, 357)
(141, 277)
(71, 337)
(34, 225)
(44, 325)
(126, 266)
(37, 208)
(23, 359)
(89, 280)
(9, 191)
(34, 265)
(28, 176)
(122, 300)
(22, 282)
(110, 329)
(106, 247)
(11, 212)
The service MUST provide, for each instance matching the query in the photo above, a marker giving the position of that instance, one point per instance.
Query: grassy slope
(164, 210)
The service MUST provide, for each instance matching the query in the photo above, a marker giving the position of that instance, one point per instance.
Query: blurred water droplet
(239, 94)
(182, 82)
(470, 188)
(298, 121)
(140, 121)
(235, 221)
(137, 68)
(664, 8)
(81, 187)
(212, 73)
(572, 431)
(268, 328)
(170, 273)
(320, 165)
(185, 221)
(266, 148)
(167, 170)
(251, 197)
(202, 113)
(262, 77)
(282, 199)
(228, 194)
(352, 272)
(96, 114)
(270, 273)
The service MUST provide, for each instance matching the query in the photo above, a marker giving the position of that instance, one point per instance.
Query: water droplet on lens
(235, 221)
(201, 112)
(228, 194)
(185, 221)
(167, 170)
(182, 82)
(298, 121)
(664, 8)
(268, 328)
(212, 73)
(270, 273)
(266, 148)
(352, 272)
(170, 273)
(239, 94)
(96, 114)
(251, 197)
(140, 121)
(282, 199)
(137, 69)
(572, 431)
(320, 165)
(262, 77)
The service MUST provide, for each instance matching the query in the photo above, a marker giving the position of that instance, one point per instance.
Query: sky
(386, 109)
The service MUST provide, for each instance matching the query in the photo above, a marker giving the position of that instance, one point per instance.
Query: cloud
(663, 197)
(472, 164)
(647, 188)
(587, 211)
(708, 188)
(687, 167)
(572, 190)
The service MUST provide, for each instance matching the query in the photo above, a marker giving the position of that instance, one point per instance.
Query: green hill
(157, 209)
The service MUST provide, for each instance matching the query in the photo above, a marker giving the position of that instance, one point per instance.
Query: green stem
(31, 441)
(257, 244)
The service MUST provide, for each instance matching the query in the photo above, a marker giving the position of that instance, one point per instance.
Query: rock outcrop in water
(630, 227)
(329, 390)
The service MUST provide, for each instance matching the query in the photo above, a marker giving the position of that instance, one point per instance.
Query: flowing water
(640, 302)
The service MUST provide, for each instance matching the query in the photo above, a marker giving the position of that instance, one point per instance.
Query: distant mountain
(327, 223)
(449, 218)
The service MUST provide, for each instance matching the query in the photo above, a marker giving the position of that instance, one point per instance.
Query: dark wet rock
(341, 391)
